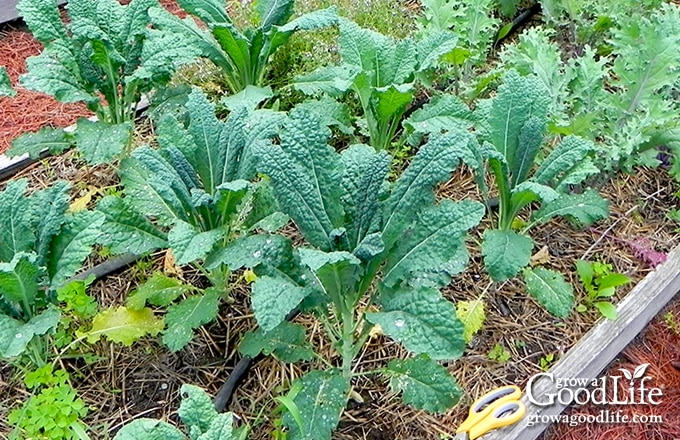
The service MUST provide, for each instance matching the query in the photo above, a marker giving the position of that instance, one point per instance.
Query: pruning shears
(495, 409)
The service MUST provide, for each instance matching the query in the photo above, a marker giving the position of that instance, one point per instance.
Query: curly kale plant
(381, 72)
(475, 23)
(41, 246)
(103, 57)
(196, 188)
(375, 255)
(625, 101)
(243, 54)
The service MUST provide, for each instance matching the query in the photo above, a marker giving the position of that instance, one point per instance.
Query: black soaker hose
(106, 268)
(226, 391)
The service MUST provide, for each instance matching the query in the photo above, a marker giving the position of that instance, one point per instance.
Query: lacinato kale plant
(102, 56)
(193, 195)
(374, 257)
(242, 54)
(512, 126)
(382, 73)
(511, 129)
(41, 246)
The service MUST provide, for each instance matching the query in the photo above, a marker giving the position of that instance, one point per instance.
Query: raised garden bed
(150, 379)
(519, 339)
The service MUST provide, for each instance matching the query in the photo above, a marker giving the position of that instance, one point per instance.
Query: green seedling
(600, 283)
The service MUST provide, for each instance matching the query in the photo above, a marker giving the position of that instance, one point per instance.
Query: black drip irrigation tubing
(106, 268)
(226, 391)
(520, 20)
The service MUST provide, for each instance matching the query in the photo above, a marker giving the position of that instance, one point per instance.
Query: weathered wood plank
(8, 10)
(591, 355)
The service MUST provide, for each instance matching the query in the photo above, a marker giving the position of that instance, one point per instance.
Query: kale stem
(347, 341)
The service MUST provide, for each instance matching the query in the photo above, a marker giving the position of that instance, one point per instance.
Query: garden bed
(144, 380)
(519, 338)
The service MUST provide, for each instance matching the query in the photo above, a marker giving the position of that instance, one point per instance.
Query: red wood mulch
(29, 111)
(658, 346)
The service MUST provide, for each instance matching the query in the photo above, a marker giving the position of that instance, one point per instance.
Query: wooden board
(8, 10)
(597, 348)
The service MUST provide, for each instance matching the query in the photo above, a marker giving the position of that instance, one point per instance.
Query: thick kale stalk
(197, 189)
(103, 56)
(242, 54)
(375, 256)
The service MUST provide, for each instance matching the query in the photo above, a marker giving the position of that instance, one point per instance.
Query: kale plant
(511, 128)
(625, 101)
(242, 54)
(196, 412)
(375, 256)
(473, 21)
(41, 247)
(382, 73)
(197, 189)
(103, 57)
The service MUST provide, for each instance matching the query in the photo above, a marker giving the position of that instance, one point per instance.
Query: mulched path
(658, 346)
(29, 111)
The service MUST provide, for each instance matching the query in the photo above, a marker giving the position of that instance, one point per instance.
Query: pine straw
(28, 111)
(143, 380)
(659, 346)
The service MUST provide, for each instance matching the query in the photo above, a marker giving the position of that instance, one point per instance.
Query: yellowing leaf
(249, 276)
(472, 315)
(375, 331)
(124, 325)
(540, 257)
(80, 204)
